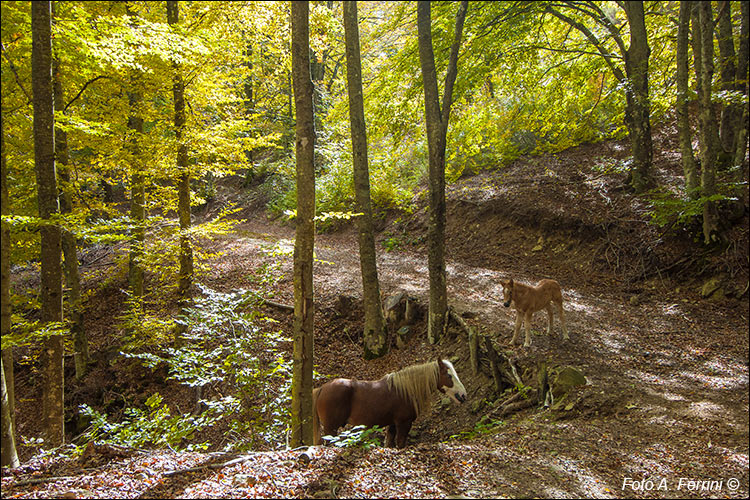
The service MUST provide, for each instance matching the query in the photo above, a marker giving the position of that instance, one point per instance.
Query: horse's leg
(517, 328)
(527, 321)
(390, 436)
(402, 432)
(549, 317)
(562, 320)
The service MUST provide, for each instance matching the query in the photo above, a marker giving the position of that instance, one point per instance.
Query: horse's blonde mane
(416, 384)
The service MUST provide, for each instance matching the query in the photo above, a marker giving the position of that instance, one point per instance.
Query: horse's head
(448, 381)
(507, 292)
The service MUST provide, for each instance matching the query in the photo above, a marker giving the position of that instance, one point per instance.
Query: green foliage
(485, 425)
(153, 427)
(226, 345)
(669, 210)
(358, 436)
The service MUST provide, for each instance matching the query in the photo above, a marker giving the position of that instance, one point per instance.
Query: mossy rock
(562, 380)
(713, 288)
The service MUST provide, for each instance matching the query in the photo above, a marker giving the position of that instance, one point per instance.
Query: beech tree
(183, 180)
(5, 305)
(69, 243)
(634, 79)
(689, 166)
(49, 209)
(437, 130)
(708, 125)
(137, 183)
(375, 334)
(301, 418)
(9, 454)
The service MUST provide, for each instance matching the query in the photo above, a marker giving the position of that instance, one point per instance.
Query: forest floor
(665, 410)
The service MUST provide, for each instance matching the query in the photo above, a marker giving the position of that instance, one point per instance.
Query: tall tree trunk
(302, 430)
(683, 114)
(375, 334)
(137, 186)
(730, 113)
(9, 456)
(696, 39)
(709, 145)
(743, 59)
(249, 110)
(437, 128)
(69, 245)
(51, 252)
(636, 67)
(5, 305)
(183, 182)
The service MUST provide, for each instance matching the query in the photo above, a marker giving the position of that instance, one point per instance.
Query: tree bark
(49, 207)
(183, 181)
(743, 59)
(5, 305)
(9, 455)
(375, 332)
(689, 166)
(636, 67)
(301, 421)
(730, 113)
(437, 128)
(137, 186)
(69, 244)
(708, 135)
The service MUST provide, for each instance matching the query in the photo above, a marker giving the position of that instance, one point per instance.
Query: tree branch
(80, 92)
(591, 38)
(15, 73)
(450, 76)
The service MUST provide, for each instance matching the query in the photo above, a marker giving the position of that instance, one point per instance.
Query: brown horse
(395, 401)
(530, 299)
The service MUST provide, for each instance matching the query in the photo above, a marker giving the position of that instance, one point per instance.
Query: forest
(292, 249)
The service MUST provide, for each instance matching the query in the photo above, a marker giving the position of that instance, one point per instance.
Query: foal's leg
(517, 328)
(549, 318)
(562, 320)
(527, 321)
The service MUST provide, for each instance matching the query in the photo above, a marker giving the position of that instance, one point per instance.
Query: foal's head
(448, 381)
(507, 292)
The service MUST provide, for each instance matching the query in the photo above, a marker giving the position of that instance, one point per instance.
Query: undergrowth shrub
(229, 346)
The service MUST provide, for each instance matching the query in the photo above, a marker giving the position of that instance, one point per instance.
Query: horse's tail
(316, 421)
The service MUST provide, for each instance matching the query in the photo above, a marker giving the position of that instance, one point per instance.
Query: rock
(244, 480)
(564, 380)
(713, 288)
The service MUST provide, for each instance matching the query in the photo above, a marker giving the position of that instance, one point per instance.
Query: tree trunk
(5, 305)
(683, 115)
(696, 39)
(137, 187)
(9, 455)
(730, 113)
(743, 58)
(375, 333)
(437, 128)
(708, 135)
(69, 245)
(636, 67)
(51, 252)
(301, 424)
(183, 182)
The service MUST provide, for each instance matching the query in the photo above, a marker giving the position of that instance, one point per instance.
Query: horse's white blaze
(457, 392)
